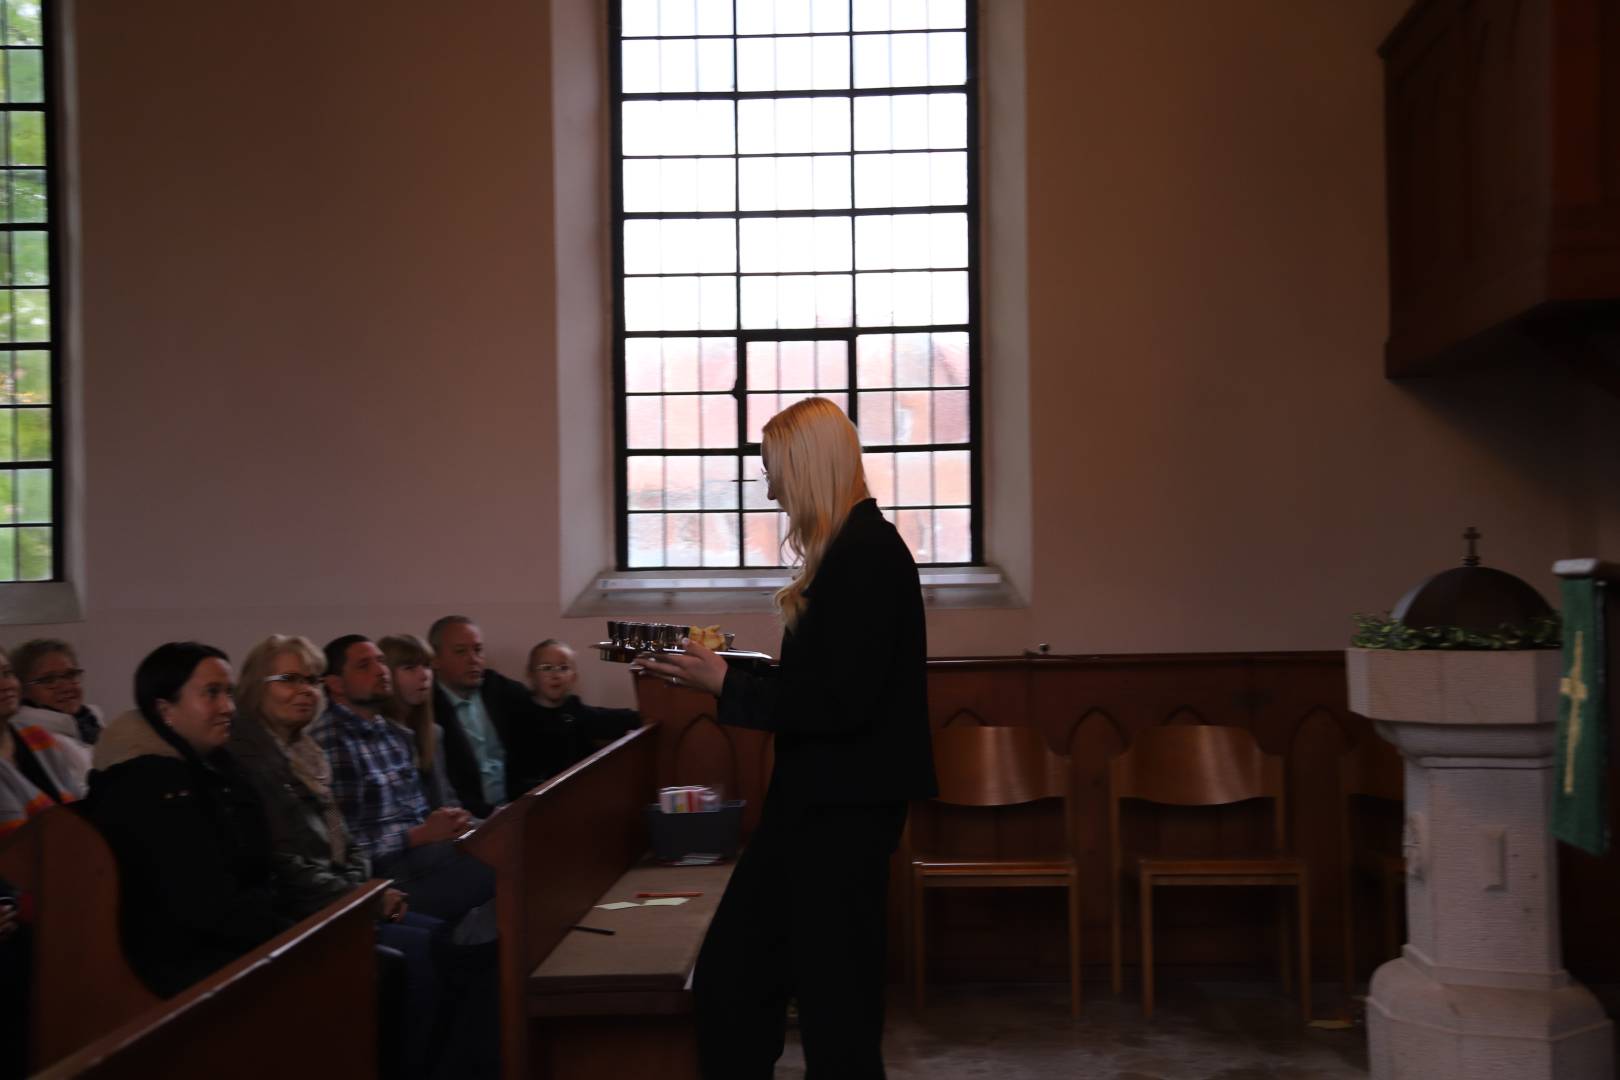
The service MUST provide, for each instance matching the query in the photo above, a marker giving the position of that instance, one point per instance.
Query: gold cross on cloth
(1573, 687)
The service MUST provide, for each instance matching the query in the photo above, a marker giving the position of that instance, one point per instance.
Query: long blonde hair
(814, 456)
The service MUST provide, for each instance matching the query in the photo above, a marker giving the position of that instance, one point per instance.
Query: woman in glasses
(53, 689)
(37, 769)
(277, 698)
(804, 912)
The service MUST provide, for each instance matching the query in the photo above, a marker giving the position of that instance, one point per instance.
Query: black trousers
(804, 917)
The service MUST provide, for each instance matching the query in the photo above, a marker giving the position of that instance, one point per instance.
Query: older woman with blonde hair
(803, 914)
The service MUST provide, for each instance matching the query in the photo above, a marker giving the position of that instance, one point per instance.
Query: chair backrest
(1373, 768)
(1196, 765)
(979, 765)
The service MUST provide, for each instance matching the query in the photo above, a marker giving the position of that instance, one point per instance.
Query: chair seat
(929, 866)
(1198, 866)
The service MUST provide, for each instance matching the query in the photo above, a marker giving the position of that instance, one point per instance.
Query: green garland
(1382, 632)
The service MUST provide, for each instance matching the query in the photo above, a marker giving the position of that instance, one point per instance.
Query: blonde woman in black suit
(804, 914)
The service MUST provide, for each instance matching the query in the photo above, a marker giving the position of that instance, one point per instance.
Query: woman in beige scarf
(277, 698)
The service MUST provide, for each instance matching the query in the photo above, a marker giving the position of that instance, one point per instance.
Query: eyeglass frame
(290, 677)
(72, 675)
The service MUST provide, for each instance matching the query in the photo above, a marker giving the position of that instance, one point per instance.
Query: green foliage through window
(29, 467)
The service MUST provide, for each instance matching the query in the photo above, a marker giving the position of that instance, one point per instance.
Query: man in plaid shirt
(379, 792)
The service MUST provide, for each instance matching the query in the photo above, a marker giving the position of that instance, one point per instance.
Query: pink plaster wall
(320, 335)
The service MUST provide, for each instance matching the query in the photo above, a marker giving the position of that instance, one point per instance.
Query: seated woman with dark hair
(190, 837)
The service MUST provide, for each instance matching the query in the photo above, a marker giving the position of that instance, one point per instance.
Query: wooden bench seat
(646, 966)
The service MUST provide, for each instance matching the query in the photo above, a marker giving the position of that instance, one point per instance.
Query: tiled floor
(1200, 1031)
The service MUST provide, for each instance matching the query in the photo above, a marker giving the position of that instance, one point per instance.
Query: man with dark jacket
(486, 719)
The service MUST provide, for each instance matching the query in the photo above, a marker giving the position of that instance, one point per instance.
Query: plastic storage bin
(712, 832)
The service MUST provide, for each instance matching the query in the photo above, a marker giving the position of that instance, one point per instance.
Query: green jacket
(305, 877)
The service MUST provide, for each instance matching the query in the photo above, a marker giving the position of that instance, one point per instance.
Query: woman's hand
(697, 667)
(393, 905)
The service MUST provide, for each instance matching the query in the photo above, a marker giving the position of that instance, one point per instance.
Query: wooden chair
(1371, 771)
(1202, 765)
(998, 766)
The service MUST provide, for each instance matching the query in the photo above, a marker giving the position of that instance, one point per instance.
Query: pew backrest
(91, 1015)
(555, 850)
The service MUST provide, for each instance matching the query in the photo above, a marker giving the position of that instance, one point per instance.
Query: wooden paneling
(1090, 708)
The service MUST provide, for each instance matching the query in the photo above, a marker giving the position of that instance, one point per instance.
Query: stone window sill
(653, 591)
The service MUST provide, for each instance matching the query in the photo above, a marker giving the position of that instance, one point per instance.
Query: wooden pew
(576, 1004)
(92, 1016)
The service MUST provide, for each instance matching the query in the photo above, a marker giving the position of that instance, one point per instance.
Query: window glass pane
(23, 199)
(8, 554)
(683, 540)
(911, 298)
(676, 127)
(778, 244)
(677, 18)
(829, 16)
(638, 18)
(33, 493)
(911, 122)
(24, 75)
(33, 434)
(793, 125)
(27, 139)
(646, 540)
(23, 22)
(938, 179)
(761, 407)
(762, 539)
(797, 365)
(797, 300)
(34, 561)
(905, 241)
(680, 246)
(714, 16)
(794, 183)
(719, 539)
(8, 502)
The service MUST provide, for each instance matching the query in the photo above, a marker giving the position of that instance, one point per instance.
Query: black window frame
(54, 227)
(744, 448)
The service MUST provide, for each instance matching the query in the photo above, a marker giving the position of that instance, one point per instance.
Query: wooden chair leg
(1116, 900)
(1305, 947)
(1074, 948)
(919, 963)
(1285, 955)
(1145, 885)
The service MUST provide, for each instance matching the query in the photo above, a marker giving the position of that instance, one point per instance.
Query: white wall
(320, 334)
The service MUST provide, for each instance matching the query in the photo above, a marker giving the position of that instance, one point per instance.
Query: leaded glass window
(796, 214)
(30, 482)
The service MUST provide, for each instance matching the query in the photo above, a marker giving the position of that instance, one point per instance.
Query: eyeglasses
(58, 678)
(552, 669)
(291, 678)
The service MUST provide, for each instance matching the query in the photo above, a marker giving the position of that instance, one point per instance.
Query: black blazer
(849, 700)
(506, 702)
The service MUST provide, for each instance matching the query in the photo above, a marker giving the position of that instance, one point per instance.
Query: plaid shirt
(374, 780)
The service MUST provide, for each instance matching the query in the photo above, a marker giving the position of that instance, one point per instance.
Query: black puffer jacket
(193, 852)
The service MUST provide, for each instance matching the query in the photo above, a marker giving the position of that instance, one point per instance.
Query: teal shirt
(486, 743)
